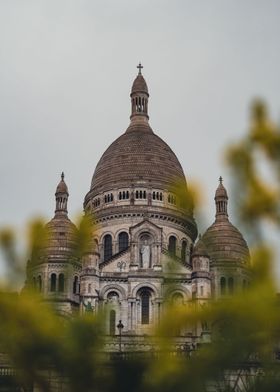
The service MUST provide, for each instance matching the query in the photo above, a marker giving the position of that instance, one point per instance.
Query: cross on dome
(139, 66)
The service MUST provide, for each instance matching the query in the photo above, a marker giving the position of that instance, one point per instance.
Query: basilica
(143, 252)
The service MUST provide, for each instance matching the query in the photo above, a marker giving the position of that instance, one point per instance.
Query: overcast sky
(66, 69)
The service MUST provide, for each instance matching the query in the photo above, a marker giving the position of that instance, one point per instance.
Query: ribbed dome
(137, 156)
(200, 249)
(62, 187)
(221, 190)
(225, 243)
(61, 234)
(139, 85)
(61, 239)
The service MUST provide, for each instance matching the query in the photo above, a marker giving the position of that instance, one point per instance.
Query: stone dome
(221, 190)
(62, 187)
(137, 156)
(200, 249)
(225, 243)
(61, 234)
(139, 85)
(223, 240)
(140, 158)
(61, 240)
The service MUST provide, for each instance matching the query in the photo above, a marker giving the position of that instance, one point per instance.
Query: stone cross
(139, 66)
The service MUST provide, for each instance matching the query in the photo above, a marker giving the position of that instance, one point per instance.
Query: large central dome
(139, 165)
(138, 157)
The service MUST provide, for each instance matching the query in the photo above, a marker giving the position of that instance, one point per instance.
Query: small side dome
(200, 249)
(224, 242)
(61, 240)
(60, 244)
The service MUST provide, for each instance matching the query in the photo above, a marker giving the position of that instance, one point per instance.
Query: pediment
(118, 263)
(146, 226)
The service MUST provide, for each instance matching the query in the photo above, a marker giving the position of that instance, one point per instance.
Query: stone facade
(142, 254)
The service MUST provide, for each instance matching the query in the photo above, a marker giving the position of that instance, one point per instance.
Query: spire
(61, 197)
(139, 98)
(221, 200)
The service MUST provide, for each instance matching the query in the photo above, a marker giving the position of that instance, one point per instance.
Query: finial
(139, 66)
(62, 176)
(221, 180)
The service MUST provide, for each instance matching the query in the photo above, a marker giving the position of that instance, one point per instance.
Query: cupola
(139, 97)
(61, 196)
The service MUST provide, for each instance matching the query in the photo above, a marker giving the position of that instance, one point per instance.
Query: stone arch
(123, 241)
(122, 229)
(113, 287)
(111, 233)
(184, 239)
(172, 244)
(143, 285)
(178, 289)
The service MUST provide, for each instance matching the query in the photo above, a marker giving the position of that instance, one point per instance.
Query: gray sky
(66, 69)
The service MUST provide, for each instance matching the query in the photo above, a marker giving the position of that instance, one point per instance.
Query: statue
(88, 307)
(145, 254)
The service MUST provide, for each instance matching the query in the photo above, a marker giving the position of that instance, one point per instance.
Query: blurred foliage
(258, 197)
(245, 328)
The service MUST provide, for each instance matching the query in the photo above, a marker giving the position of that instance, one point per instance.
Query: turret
(139, 98)
(201, 283)
(61, 197)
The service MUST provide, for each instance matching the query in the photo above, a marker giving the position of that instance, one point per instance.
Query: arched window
(230, 286)
(89, 288)
(61, 283)
(184, 251)
(39, 283)
(75, 285)
(112, 323)
(123, 241)
(172, 245)
(145, 307)
(177, 299)
(113, 297)
(223, 285)
(53, 282)
(107, 247)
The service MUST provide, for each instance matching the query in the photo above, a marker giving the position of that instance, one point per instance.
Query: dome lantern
(61, 197)
(139, 97)
(221, 200)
